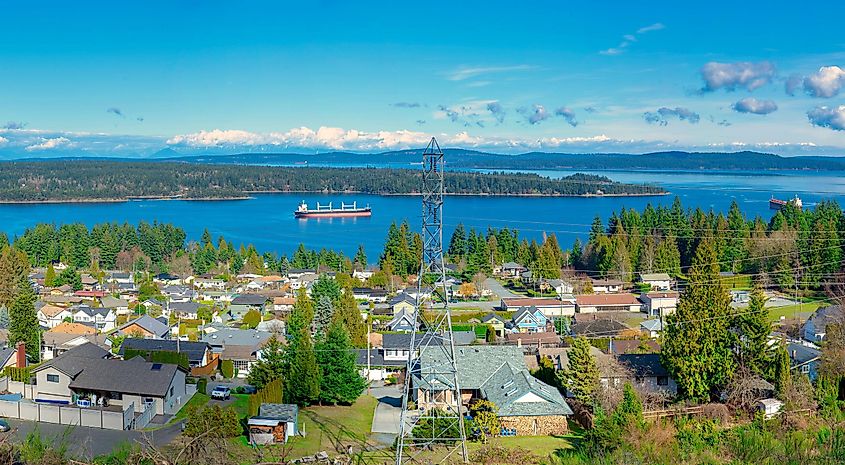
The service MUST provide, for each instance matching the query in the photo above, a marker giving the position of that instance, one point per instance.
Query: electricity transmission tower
(438, 414)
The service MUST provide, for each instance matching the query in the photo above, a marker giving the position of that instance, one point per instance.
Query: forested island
(101, 180)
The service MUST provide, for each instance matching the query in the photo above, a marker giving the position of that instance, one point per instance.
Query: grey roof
(154, 301)
(531, 313)
(499, 372)
(5, 354)
(135, 376)
(492, 316)
(597, 328)
(825, 315)
(249, 299)
(511, 265)
(403, 340)
(652, 325)
(403, 318)
(150, 324)
(237, 337)
(281, 412)
(184, 307)
(194, 350)
(801, 354)
(402, 297)
(376, 359)
(91, 311)
(113, 302)
(643, 365)
(74, 361)
(655, 277)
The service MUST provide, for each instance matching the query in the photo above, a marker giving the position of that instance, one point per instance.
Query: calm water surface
(267, 220)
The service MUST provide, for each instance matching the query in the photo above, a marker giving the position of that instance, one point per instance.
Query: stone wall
(537, 426)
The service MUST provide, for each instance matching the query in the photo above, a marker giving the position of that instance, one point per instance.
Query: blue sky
(110, 78)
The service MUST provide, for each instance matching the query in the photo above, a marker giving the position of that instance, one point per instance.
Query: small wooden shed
(275, 423)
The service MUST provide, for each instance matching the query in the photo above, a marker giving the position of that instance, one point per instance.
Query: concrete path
(388, 412)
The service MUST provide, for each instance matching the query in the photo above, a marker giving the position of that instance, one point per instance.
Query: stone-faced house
(497, 374)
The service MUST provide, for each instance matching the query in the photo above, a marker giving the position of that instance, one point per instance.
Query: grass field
(518, 446)
(333, 428)
(793, 311)
(198, 400)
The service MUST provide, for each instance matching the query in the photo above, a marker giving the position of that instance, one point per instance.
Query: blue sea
(267, 220)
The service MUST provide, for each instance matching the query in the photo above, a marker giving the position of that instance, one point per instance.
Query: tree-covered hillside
(59, 180)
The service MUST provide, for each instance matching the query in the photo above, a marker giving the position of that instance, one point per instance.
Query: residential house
(632, 346)
(561, 287)
(119, 306)
(87, 373)
(167, 279)
(241, 346)
(529, 320)
(420, 294)
(402, 302)
(533, 340)
(50, 316)
(657, 281)
(177, 294)
(243, 303)
(364, 274)
(606, 286)
(296, 273)
(198, 353)
(184, 310)
(60, 334)
(274, 424)
(120, 277)
(804, 359)
(496, 322)
(403, 322)
(550, 307)
(512, 270)
(596, 327)
(389, 354)
(210, 284)
(652, 327)
(370, 295)
(816, 327)
(649, 373)
(592, 303)
(145, 327)
(661, 303)
(497, 374)
(283, 304)
(104, 319)
(9, 356)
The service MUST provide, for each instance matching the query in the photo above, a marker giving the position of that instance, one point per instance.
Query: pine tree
(50, 276)
(696, 347)
(751, 329)
(458, 244)
(327, 287)
(360, 258)
(303, 373)
(783, 373)
(340, 382)
(347, 313)
(271, 366)
(323, 316)
(581, 378)
(23, 320)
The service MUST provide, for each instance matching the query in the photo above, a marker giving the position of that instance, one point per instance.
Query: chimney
(794, 353)
(21, 355)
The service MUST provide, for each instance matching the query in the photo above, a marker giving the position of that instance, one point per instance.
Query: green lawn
(740, 281)
(792, 311)
(241, 404)
(332, 428)
(537, 446)
(199, 399)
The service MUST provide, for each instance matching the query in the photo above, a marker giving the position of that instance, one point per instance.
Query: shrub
(202, 385)
(227, 367)
(271, 393)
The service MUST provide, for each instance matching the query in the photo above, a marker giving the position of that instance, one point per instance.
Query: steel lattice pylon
(431, 356)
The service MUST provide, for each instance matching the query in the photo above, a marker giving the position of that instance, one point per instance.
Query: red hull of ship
(315, 214)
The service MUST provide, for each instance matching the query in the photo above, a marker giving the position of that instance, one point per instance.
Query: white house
(593, 303)
(657, 281)
(660, 303)
(104, 319)
(606, 286)
(51, 316)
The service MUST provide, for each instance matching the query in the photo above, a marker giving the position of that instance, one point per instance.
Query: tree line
(58, 180)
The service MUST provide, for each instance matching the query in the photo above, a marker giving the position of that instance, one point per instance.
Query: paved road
(85, 443)
(389, 409)
(498, 289)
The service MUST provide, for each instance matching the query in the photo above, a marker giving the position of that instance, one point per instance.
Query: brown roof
(606, 299)
(284, 300)
(270, 278)
(663, 295)
(632, 346)
(544, 337)
(72, 328)
(529, 301)
(51, 310)
(231, 352)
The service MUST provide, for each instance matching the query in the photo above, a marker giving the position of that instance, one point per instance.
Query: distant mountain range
(471, 159)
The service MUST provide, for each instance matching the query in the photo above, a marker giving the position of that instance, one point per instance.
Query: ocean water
(267, 220)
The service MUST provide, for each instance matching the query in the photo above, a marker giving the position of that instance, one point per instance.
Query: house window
(116, 395)
(805, 369)
(52, 378)
(662, 380)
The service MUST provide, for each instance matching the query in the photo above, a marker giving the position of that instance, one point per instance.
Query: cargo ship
(777, 204)
(327, 211)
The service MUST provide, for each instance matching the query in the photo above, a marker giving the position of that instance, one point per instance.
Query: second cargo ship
(327, 211)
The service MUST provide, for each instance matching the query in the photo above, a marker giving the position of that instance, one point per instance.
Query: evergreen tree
(783, 372)
(347, 313)
(4, 318)
(301, 316)
(581, 378)
(23, 320)
(50, 276)
(360, 258)
(14, 267)
(302, 370)
(458, 244)
(340, 382)
(271, 366)
(696, 348)
(751, 329)
(325, 286)
(323, 316)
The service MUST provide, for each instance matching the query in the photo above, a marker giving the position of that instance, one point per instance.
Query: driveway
(497, 288)
(85, 443)
(388, 412)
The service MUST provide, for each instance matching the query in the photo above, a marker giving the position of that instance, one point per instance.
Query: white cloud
(464, 73)
(49, 144)
(536, 114)
(741, 75)
(757, 107)
(628, 39)
(826, 82)
(651, 27)
(828, 117)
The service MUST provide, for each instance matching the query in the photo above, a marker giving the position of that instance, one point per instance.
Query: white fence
(69, 415)
(142, 420)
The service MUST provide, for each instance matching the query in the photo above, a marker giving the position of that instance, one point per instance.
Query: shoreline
(248, 197)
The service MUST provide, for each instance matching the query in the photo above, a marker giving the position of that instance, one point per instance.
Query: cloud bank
(757, 107)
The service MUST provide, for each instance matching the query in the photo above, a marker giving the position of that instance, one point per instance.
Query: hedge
(271, 393)
(20, 374)
(227, 367)
(159, 356)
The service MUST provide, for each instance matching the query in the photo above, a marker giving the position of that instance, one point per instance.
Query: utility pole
(431, 354)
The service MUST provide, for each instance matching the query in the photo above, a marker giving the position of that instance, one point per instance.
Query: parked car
(248, 389)
(4, 426)
(221, 392)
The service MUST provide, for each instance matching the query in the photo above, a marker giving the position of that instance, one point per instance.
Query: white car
(221, 393)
